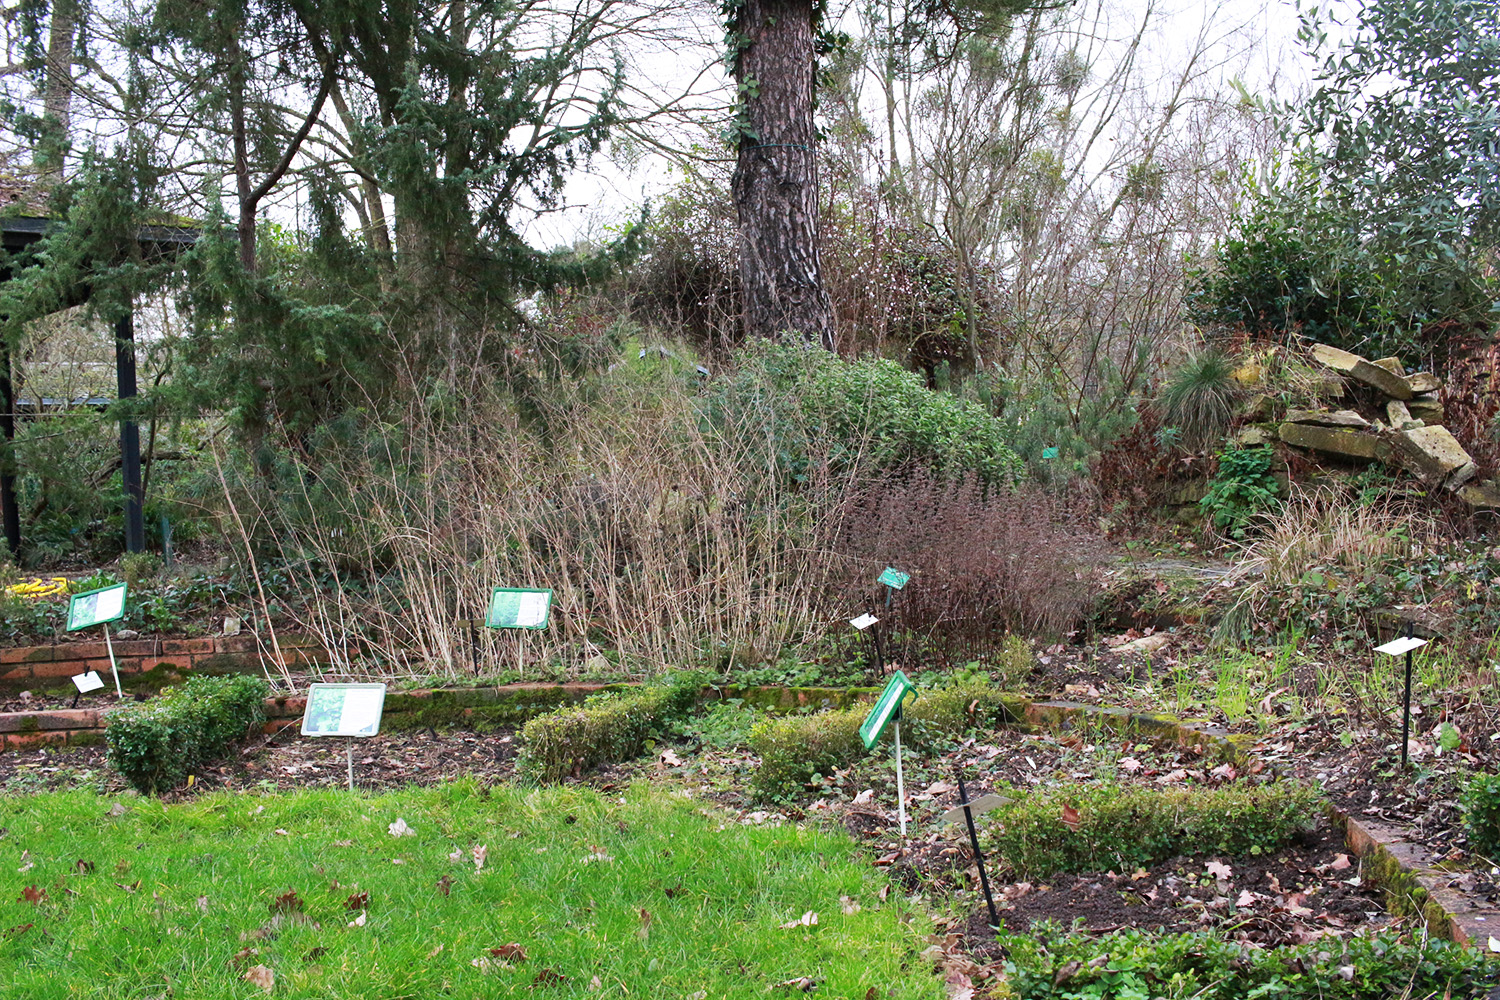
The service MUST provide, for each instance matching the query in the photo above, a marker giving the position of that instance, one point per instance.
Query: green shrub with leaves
(1051, 963)
(610, 727)
(156, 744)
(1242, 488)
(1090, 828)
(1480, 803)
(800, 408)
(793, 748)
(944, 714)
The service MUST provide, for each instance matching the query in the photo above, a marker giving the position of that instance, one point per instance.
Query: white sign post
(99, 607)
(351, 710)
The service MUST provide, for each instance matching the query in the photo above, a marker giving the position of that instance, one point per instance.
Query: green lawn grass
(160, 900)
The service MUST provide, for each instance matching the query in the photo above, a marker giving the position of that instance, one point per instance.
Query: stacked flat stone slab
(1389, 382)
(1407, 430)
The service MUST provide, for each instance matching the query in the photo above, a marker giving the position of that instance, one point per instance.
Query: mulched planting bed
(1363, 778)
(1298, 894)
(288, 761)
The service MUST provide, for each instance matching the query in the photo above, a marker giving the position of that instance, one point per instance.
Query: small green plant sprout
(1242, 488)
(1449, 738)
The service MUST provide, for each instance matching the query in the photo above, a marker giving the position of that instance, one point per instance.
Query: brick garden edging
(1405, 871)
(154, 663)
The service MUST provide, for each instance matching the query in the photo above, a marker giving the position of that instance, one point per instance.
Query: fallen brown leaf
(31, 894)
(288, 902)
(511, 952)
(261, 976)
(357, 901)
(1070, 817)
(549, 977)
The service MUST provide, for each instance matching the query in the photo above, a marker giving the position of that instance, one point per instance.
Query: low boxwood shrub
(1095, 828)
(1480, 802)
(610, 727)
(793, 748)
(155, 744)
(941, 715)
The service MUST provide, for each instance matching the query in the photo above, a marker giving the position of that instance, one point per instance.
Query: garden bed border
(1412, 880)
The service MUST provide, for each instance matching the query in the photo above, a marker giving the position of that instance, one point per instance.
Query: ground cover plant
(450, 890)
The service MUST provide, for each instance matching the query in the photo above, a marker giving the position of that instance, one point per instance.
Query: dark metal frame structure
(17, 233)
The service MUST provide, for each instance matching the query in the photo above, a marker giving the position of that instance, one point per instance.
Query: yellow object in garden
(57, 586)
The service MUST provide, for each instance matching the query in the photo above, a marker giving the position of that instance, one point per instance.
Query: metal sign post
(863, 623)
(1395, 648)
(982, 805)
(350, 710)
(894, 580)
(887, 710)
(99, 607)
(522, 608)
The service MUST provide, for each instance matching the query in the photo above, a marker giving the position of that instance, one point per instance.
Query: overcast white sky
(1254, 42)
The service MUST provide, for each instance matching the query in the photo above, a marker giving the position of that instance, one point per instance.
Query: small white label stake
(112, 668)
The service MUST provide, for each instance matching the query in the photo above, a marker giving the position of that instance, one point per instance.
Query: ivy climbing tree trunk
(776, 177)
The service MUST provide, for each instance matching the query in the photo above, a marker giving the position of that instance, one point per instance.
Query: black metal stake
(1406, 705)
(984, 880)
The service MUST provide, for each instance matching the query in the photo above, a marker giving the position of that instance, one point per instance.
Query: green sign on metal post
(99, 607)
(96, 607)
(515, 607)
(894, 578)
(344, 710)
(896, 690)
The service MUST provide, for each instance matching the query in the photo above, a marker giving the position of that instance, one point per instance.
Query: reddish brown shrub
(982, 563)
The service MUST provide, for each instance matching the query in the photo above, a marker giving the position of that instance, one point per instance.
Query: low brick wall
(152, 663)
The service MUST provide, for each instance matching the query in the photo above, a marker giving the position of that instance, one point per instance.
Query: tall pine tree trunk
(58, 99)
(776, 178)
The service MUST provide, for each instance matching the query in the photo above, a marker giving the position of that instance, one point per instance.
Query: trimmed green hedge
(944, 714)
(793, 748)
(611, 727)
(1095, 828)
(155, 744)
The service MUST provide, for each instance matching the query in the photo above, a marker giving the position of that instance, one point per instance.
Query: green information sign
(1049, 452)
(343, 709)
(894, 578)
(96, 607)
(512, 607)
(885, 709)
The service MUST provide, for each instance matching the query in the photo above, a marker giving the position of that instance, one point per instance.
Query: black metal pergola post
(18, 233)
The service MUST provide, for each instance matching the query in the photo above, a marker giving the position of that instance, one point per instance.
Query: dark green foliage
(1481, 809)
(793, 748)
(156, 744)
(1293, 269)
(1052, 964)
(1198, 398)
(1383, 233)
(613, 727)
(1242, 488)
(802, 409)
(1122, 828)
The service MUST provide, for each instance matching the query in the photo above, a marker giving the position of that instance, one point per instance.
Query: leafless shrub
(982, 563)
